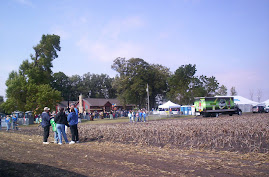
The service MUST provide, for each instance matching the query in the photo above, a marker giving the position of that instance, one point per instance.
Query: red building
(96, 104)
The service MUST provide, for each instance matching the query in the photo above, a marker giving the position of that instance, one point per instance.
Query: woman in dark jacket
(61, 121)
(73, 122)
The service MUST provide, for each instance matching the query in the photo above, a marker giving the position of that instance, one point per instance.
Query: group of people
(11, 122)
(137, 116)
(58, 123)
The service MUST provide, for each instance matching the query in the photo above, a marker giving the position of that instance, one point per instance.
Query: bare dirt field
(104, 153)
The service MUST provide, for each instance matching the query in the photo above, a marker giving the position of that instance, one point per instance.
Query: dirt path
(24, 155)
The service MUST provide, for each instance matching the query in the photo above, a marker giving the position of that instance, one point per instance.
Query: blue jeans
(15, 126)
(56, 136)
(8, 125)
(144, 119)
(61, 132)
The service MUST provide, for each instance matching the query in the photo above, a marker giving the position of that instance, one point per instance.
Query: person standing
(73, 106)
(133, 113)
(140, 115)
(130, 116)
(73, 122)
(144, 116)
(14, 120)
(8, 121)
(61, 121)
(45, 124)
(53, 125)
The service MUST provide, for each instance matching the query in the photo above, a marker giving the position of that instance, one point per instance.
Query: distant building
(96, 104)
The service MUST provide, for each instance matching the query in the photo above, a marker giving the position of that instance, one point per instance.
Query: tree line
(35, 86)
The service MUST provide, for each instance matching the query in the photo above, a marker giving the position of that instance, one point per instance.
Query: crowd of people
(137, 116)
(11, 122)
(59, 122)
(70, 118)
(104, 114)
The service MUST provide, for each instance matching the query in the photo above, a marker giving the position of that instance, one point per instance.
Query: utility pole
(148, 95)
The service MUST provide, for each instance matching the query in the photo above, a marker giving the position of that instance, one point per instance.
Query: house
(102, 104)
(64, 104)
(96, 104)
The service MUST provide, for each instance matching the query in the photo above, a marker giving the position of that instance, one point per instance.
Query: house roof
(103, 101)
(64, 104)
(96, 101)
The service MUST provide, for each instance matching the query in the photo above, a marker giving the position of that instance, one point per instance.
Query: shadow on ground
(12, 169)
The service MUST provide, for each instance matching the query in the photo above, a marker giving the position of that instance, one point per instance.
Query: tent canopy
(241, 100)
(169, 104)
(266, 102)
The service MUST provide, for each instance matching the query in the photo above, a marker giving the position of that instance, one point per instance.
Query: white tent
(169, 105)
(266, 103)
(243, 103)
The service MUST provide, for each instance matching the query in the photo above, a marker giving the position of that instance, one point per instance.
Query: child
(53, 125)
(14, 119)
(130, 116)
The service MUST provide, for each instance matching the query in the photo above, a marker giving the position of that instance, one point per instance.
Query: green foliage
(182, 84)
(1, 104)
(134, 75)
(211, 85)
(222, 90)
(131, 84)
(233, 91)
(29, 88)
(41, 96)
(89, 85)
(61, 82)
(45, 52)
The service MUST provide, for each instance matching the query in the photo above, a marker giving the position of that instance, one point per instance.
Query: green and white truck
(213, 106)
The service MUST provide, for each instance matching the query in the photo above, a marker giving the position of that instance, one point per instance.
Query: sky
(228, 39)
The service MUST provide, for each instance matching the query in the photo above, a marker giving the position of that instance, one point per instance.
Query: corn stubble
(246, 133)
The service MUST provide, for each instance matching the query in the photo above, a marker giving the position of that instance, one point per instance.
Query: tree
(233, 91)
(26, 87)
(158, 84)
(1, 102)
(134, 74)
(180, 84)
(39, 70)
(211, 85)
(259, 95)
(61, 82)
(222, 91)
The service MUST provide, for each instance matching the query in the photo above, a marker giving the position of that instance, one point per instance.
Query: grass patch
(106, 121)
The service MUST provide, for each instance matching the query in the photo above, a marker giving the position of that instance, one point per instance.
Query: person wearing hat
(45, 124)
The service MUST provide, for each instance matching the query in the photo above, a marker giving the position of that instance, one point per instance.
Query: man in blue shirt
(73, 106)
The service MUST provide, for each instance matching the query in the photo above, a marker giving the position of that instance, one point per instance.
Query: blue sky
(228, 39)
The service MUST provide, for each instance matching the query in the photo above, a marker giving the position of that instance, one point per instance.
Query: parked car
(2, 115)
(258, 109)
(266, 109)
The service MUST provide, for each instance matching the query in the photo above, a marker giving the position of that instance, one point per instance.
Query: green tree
(61, 82)
(76, 87)
(26, 87)
(222, 91)
(211, 85)
(233, 91)
(134, 74)
(1, 104)
(180, 84)
(39, 70)
(158, 82)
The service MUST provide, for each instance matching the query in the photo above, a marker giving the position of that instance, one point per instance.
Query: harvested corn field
(247, 133)
(179, 147)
